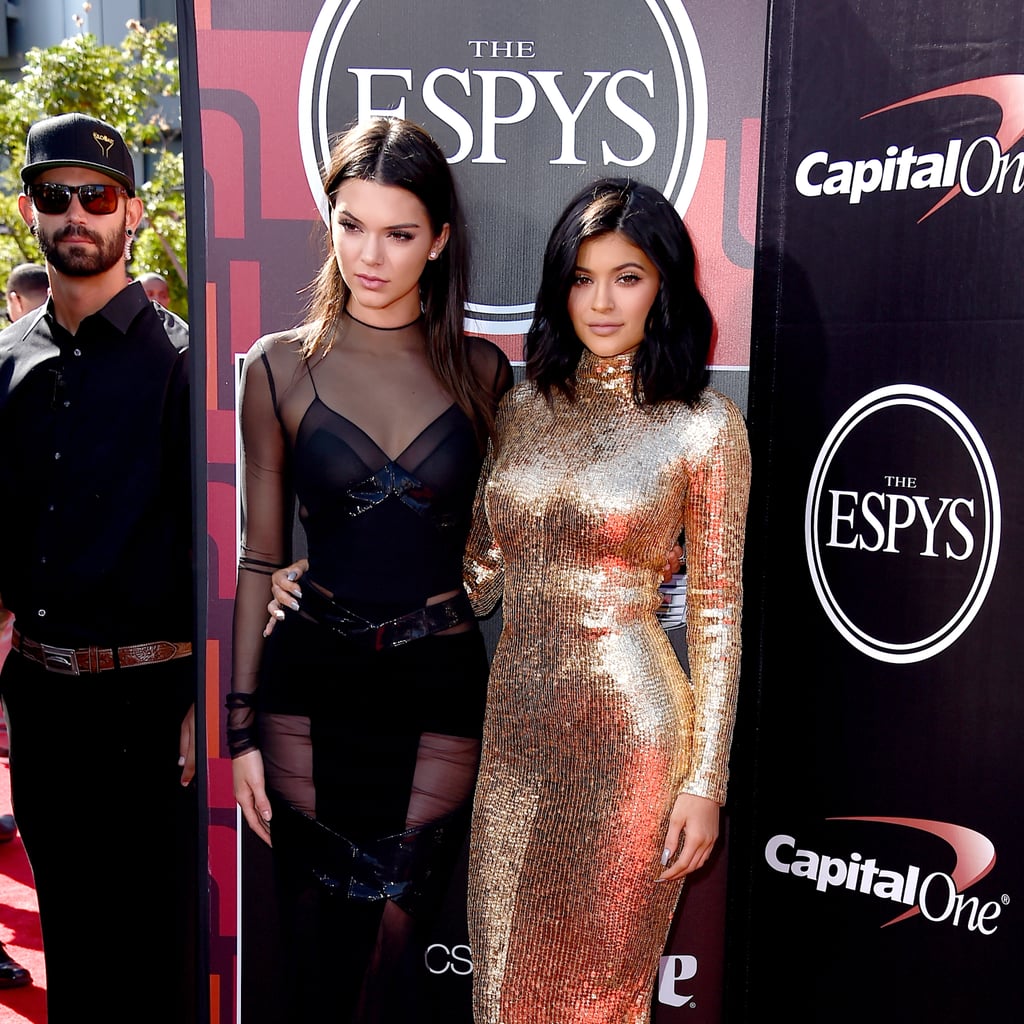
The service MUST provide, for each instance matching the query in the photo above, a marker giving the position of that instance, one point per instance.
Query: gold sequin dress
(592, 728)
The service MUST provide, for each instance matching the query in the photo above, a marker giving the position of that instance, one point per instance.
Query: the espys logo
(938, 896)
(975, 167)
(526, 106)
(902, 523)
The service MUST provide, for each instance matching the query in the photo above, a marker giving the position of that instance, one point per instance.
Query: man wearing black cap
(95, 516)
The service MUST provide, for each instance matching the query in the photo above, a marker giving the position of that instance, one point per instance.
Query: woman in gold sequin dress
(604, 765)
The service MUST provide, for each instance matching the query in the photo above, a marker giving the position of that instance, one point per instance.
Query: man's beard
(79, 260)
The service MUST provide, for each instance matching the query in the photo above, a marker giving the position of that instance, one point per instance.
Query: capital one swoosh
(1007, 91)
(975, 854)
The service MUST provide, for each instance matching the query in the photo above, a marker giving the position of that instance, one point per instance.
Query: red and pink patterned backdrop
(262, 247)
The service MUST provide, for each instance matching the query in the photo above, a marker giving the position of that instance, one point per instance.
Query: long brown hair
(391, 151)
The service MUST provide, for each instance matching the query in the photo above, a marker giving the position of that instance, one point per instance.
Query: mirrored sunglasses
(49, 197)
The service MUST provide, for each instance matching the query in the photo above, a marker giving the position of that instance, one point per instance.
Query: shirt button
(41, 613)
(56, 455)
(51, 508)
(42, 561)
(78, 351)
(67, 404)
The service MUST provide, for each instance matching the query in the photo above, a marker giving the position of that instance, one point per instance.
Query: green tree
(133, 87)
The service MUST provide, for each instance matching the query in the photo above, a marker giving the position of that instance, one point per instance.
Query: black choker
(373, 327)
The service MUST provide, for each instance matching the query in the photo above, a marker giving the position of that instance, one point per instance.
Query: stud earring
(433, 255)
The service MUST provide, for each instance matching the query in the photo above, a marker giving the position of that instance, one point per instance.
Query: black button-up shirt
(95, 504)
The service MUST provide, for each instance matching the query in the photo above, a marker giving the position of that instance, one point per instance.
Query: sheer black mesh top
(384, 466)
(377, 527)
(383, 462)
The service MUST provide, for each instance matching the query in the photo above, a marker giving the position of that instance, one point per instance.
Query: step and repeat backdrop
(528, 101)
(874, 839)
(879, 846)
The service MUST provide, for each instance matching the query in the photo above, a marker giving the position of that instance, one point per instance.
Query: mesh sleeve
(265, 495)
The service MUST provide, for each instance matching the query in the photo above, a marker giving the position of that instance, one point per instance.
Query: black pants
(111, 836)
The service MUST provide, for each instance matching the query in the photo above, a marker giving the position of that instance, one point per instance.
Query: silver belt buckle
(60, 659)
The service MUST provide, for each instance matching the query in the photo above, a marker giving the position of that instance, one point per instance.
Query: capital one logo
(971, 166)
(902, 523)
(938, 896)
(526, 105)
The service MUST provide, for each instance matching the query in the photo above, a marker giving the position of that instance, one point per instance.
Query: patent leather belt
(74, 661)
(432, 618)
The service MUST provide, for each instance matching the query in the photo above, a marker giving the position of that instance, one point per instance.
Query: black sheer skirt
(370, 760)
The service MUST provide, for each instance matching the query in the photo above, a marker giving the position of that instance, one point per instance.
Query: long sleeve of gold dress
(592, 728)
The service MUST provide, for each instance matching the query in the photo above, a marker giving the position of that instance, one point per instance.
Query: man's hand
(187, 747)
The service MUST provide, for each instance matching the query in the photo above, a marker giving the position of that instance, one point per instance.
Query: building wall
(42, 23)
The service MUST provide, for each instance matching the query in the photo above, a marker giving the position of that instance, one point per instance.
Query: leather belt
(74, 661)
(395, 632)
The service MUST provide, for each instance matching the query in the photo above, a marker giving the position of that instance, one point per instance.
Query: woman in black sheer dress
(355, 726)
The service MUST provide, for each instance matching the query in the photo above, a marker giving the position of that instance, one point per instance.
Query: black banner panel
(879, 742)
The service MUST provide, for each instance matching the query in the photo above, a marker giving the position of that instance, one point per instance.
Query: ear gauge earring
(128, 244)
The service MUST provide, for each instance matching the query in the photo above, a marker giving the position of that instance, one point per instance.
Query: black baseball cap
(76, 140)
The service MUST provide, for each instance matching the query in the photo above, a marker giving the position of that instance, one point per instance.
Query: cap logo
(104, 142)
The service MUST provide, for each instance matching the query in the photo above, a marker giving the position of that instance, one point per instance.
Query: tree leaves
(133, 87)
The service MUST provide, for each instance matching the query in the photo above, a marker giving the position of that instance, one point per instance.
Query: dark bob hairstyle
(671, 363)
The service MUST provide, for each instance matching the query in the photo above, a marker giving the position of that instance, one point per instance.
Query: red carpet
(19, 924)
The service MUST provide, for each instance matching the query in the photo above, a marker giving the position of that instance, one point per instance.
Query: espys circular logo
(902, 523)
(528, 101)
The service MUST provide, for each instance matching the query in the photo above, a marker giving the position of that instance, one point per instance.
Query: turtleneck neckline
(606, 370)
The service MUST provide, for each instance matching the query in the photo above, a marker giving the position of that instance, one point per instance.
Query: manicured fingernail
(292, 575)
(665, 854)
(266, 815)
(181, 762)
(294, 606)
(278, 614)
